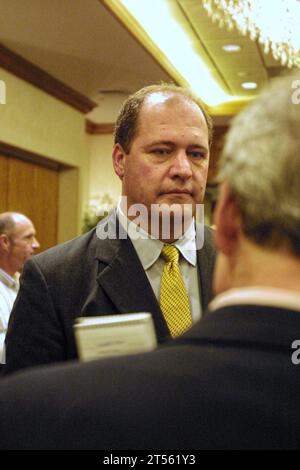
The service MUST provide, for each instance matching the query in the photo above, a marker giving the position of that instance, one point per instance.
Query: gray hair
(261, 162)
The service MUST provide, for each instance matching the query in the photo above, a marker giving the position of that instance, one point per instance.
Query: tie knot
(170, 254)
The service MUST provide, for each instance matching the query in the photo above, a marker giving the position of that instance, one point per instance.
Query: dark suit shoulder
(60, 254)
(209, 239)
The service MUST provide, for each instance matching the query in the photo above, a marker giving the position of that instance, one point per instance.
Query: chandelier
(274, 23)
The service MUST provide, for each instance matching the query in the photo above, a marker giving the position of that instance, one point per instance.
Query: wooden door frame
(68, 191)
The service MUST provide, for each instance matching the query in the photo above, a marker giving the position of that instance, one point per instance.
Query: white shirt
(9, 287)
(267, 296)
(149, 249)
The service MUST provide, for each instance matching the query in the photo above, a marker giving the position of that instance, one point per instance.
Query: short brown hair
(126, 125)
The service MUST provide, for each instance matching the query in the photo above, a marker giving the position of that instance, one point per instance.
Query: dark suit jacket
(84, 277)
(229, 383)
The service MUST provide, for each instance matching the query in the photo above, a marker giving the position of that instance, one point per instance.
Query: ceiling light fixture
(177, 48)
(231, 48)
(179, 52)
(275, 24)
(249, 85)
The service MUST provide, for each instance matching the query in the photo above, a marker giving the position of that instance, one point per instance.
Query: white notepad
(114, 335)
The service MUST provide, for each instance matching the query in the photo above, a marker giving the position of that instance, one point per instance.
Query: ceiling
(83, 44)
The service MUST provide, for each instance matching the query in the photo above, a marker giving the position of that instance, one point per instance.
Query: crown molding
(96, 128)
(22, 68)
(9, 150)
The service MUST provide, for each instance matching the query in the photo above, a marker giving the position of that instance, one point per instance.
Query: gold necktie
(174, 301)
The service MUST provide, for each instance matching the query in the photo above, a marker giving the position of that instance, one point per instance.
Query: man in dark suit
(161, 155)
(232, 381)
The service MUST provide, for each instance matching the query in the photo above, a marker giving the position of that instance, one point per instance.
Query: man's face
(22, 244)
(168, 159)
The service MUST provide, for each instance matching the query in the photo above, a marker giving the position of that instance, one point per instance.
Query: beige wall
(33, 120)
(103, 179)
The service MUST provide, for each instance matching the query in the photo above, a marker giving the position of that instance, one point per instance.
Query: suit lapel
(122, 277)
(205, 260)
(205, 288)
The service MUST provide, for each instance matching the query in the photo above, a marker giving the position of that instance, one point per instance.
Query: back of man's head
(261, 163)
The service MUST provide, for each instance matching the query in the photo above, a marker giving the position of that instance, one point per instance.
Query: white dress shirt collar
(267, 296)
(150, 251)
(9, 281)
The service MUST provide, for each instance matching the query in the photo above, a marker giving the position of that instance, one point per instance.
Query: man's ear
(4, 242)
(227, 220)
(119, 158)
